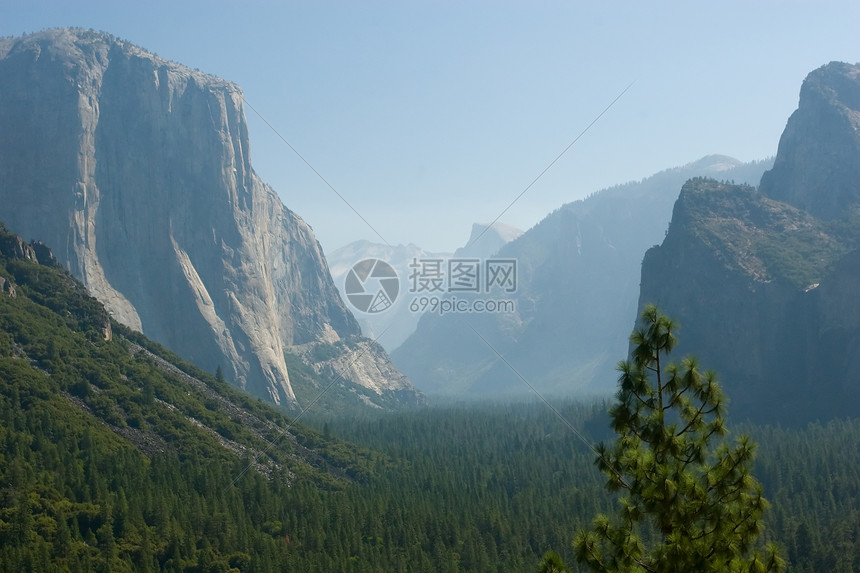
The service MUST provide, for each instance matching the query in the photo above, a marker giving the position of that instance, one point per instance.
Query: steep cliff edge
(137, 171)
(765, 282)
(818, 160)
(761, 291)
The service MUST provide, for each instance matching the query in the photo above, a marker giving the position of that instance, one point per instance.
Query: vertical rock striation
(136, 171)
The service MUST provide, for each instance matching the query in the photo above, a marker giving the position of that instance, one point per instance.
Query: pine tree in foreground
(689, 502)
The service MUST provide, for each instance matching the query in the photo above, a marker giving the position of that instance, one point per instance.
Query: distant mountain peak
(487, 238)
(578, 278)
(715, 163)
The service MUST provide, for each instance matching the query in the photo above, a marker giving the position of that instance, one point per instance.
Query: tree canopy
(689, 501)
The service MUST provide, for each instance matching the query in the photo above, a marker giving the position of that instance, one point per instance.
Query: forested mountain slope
(577, 287)
(115, 455)
(116, 452)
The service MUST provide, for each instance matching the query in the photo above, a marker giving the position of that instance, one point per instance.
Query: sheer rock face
(766, 295)
(136, 171)
(765, 283)
(818, 160)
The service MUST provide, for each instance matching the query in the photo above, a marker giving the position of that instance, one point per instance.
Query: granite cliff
(818, 160)
(137, 172)
(486, 240)
(764, 281)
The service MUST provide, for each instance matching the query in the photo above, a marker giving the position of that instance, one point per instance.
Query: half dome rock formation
(136, 171)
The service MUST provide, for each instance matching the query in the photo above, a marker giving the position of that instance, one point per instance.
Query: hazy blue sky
(428, 116)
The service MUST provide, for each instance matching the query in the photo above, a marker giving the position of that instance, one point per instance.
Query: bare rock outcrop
(137, 172)
(7, 287)
(818, 160)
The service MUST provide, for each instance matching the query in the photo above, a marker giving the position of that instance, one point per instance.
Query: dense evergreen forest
(515, 478)
(116, 455)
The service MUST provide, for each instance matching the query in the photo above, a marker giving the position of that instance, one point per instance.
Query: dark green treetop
(689, 500)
